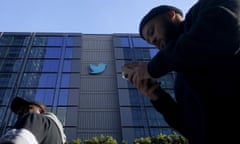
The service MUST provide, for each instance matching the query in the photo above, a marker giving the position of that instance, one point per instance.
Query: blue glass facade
(53, 69)
(36, 67)
(138, 117)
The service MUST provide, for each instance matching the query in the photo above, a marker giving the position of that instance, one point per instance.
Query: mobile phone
(125, 72)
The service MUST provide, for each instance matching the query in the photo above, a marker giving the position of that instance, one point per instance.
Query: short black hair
(155, 12)
(19, 102)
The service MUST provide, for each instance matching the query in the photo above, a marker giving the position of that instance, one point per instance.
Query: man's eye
(151, 32)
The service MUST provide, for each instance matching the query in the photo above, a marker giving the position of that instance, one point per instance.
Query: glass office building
(53, 68)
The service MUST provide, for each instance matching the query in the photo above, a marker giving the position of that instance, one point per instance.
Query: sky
(81, 16)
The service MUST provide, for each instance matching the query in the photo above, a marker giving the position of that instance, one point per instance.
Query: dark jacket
(207, 60)
(32, 128)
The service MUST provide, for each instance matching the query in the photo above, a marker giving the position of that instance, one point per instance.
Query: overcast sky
(83, 16)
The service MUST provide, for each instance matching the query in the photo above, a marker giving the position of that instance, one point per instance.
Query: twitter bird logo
(97, 69)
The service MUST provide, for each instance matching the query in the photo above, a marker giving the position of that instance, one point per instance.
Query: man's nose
(154, 40)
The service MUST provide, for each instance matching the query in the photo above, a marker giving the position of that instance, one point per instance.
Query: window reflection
(63, 97)
(61, 114)
(42, 65)
(12, 52)
(155, 118)
(128, 53)
(139, 117)
(7, 79)
(73, 41)
(65, 80)
(5, 96)
(153, 52)
(44, 96)
(38, 80)
(67, 66)
(167, 81)
(68, 53)
(14, 40)
(10, 65)
(38, 52)
(141, 54)
(139, 132)
(2, 113)
(47, 41)
(121, 42)
(135, 97)
(139, 42)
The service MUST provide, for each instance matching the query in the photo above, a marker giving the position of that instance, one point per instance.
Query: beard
(172, 31)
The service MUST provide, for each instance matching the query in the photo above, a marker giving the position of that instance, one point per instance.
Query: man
(206, 56)
(34, 125)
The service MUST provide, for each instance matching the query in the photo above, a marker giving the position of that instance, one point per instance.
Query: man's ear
(42, 108)
(171, 14)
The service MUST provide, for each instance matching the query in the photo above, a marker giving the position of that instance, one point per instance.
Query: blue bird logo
(97, 69)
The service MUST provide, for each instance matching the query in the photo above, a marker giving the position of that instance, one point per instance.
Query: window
(121, 42)
(61, 114)
(5, 96)
(37, 52)
(14, 40)
(139, 132)
(10, 65)
(128, 53)
(167, 131)
(155, 131)
(167, 81)
(42, 66)
(45, 96)
(119, 53)
(140, 43)
(7, 79)
(12, 52)
(141, 54)
(153, 52)
(65, 81)
(63, 97)
(47, 41)
(72, 53)
(139, 117)
(73, 41)
(2, 112)
(67, 65)
(135, 98)
(68, 53)
(171, 92)
(45, 80)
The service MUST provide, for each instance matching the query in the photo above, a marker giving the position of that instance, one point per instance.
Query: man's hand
(139, 72)
(148, 90)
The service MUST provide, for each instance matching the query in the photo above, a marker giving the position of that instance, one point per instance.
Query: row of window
(39, 52)
(60, 113)
(39, 65)
(136, 42)
(143, 132)
(147, 117)
(41, 80)
(135, 54)
(49, 97)
(68, 41)
(6, 40)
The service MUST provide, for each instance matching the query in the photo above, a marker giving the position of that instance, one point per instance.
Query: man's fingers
(130, 76)
(131, 65)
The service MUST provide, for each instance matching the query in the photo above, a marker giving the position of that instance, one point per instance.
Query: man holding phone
(205, 55)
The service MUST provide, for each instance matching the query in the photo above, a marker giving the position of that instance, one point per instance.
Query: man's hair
(19, 102)
(155, 12)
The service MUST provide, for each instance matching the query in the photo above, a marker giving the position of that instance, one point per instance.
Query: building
(53, 68)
